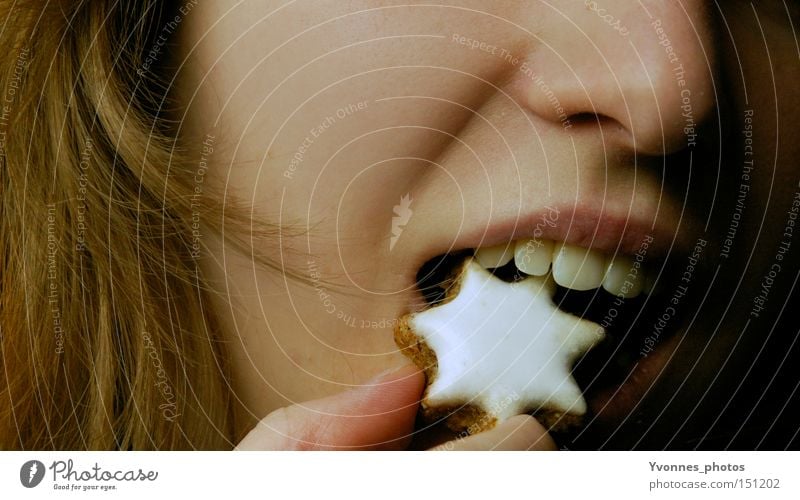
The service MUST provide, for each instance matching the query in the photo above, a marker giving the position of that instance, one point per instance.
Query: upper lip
(583, 226)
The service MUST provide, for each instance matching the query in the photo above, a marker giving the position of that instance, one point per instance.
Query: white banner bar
(409, 475)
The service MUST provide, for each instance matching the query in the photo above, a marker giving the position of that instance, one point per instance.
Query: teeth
(621, 278)
(533, 256)
(577, 268)
(491, 257)
(572, 267)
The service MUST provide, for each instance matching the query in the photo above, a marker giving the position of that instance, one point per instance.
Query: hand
(378, 415)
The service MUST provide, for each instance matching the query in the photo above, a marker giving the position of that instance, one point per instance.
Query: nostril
(587, 118)
(594, 120)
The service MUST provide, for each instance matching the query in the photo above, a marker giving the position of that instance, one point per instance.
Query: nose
(647, 65)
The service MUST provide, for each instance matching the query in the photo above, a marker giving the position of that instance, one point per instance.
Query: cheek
(761, 71)
(338, 86)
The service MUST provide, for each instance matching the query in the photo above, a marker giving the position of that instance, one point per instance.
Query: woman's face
(382, 134)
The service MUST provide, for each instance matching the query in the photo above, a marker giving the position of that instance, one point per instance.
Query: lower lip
(616, 403)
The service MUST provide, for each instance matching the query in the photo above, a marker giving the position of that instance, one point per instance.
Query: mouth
(619, 291)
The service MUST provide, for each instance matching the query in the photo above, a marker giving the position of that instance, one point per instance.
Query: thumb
(377, 415)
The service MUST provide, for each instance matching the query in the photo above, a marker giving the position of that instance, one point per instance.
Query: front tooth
(533, 256)
(497, 256)
(577, 268)
(621, 279)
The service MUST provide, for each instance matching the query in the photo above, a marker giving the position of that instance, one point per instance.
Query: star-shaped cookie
(496, 349)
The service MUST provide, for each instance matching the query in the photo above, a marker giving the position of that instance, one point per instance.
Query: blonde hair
(107, 342)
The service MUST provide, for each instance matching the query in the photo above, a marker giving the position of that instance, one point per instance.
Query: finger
(377, 415)
(522, 432)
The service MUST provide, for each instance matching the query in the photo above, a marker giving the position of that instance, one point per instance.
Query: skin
(476, 142)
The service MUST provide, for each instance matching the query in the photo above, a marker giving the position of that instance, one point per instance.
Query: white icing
(505, 347)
